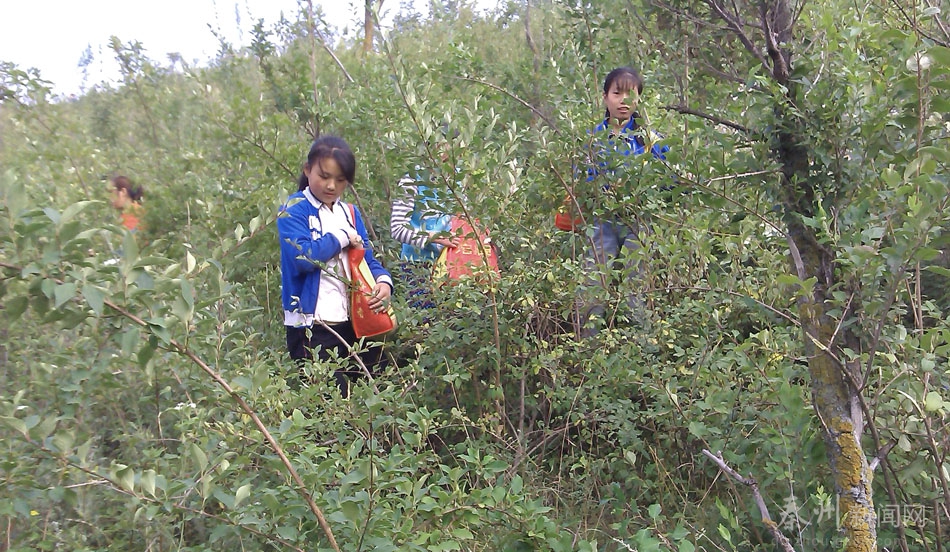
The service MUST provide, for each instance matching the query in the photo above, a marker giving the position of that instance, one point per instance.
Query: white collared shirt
(333, 299)
(333, 304)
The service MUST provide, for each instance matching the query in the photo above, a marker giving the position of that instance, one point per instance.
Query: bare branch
(681, 13)
(781, 539)
(780, 69)
(312, 27)
(736, 27)
(912, 21)
(881, 455)
(516, 98)
(684, 110)
(731, 77)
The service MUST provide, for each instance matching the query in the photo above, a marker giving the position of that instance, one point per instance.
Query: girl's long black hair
(329, 147)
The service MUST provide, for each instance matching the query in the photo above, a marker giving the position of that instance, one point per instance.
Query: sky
(52, 35)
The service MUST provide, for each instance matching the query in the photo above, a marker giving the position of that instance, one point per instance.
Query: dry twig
(781, 539)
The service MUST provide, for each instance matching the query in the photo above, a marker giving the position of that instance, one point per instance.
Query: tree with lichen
(817, 118)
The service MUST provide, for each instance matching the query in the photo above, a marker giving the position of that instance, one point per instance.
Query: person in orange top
(127, 199)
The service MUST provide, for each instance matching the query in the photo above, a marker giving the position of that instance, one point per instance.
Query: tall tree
(817, 180)
(834, 382)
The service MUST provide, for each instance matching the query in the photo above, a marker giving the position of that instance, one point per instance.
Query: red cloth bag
(565, 220)
(366, 322)
(466, 259)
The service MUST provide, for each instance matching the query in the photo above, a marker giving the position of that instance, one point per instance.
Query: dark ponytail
(134, 191)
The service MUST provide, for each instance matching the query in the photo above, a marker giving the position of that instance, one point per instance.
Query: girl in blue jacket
(315, 228)
(616, 144)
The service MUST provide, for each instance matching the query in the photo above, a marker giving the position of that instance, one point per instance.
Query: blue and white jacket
(605, 151)
(304, 248)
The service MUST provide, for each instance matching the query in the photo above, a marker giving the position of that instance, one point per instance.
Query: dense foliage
(146, 402)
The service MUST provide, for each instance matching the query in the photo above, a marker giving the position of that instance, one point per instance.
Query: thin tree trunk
(835, 399)
(835, 390)
(369, 25)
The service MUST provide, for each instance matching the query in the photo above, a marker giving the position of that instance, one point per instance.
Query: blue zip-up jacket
(304, 248)
(628, 142)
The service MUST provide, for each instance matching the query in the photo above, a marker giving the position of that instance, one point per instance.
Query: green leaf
(679, 533)
(351, 511)
(939, 270)
(188, 293)
(724, 533)
(130, 247)
(654, 511)
(463, 533)
(158, 328)
(287, 532)
(941, 55)
(63, 293)
(517, 485)
(147, 351)
(95, 297)
(698, 429)
(220, 531)
(15, 307)
(44, 429)
(125, 477)
(128, 341)
(82, 453)
(74, 210)
(242, 493)
(242, 382)
(15, 424)
(199, 455)
(223, 497)
(630, 456)
(63, 441)
(147, 480)
(182, 310)
(933, 402)
(52, 214)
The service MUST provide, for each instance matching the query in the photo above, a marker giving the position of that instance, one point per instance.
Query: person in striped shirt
(419, 222)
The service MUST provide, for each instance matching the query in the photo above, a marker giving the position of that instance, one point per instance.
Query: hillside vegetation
(796, 278)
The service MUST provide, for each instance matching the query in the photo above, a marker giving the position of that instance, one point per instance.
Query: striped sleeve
(399, 224)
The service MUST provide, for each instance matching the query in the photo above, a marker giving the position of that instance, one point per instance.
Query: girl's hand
(355, 239)
(379, 299)
(452, 242)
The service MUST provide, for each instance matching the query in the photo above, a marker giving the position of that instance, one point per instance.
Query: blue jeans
(612, 241)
